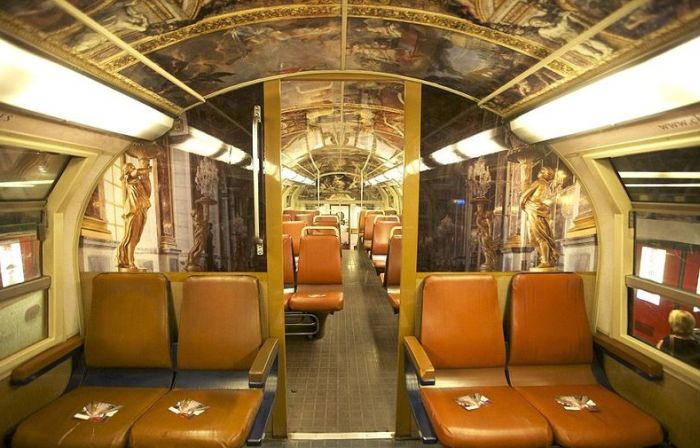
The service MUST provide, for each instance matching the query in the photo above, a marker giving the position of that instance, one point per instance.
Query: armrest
(640, 363)
(263, 362)
(420, 360)
(45, 361)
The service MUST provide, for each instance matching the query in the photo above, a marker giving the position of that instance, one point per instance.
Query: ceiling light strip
(89, 22)
(659, 175)
(573, 43)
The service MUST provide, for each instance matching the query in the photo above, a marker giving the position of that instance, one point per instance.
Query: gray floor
(346, 381)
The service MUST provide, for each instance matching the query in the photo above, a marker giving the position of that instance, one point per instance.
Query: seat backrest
(370, 222)
(293, 229)
(308, 218)
(361, 221)
(461, 323)
(288, 259)
(392, 275)
(291, 212)
(326, 220)
(220, 323)
(382, 233)
(548, 327)
(286, 217)
(129, 322)
(319, 261)
(366, 220)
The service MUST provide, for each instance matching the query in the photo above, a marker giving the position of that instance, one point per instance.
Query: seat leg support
(413, 389)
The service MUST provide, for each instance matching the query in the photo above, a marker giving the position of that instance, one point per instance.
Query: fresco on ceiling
(454, 60)
(194, 213)
(214, 61)
(538, 82)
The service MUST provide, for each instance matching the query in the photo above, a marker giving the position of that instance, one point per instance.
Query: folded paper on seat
(97, 411)
(577, 403)
(472, 401)
(188, 408)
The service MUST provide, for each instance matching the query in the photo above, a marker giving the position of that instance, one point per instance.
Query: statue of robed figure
(536, 205)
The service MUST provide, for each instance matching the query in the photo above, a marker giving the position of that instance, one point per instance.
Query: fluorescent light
(232, 155)
(289, 174)
(480, 144)
(662, 185)
(30, 82)
(447, 155)
(667, 81)
(659, 175)
(201, 143)
(25, 183)
(395, 174)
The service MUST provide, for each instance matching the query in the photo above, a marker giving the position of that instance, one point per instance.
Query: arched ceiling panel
(508, 55)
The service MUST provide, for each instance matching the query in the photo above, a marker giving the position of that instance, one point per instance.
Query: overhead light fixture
(395, 174)
(662, 185)
(474, 146)
(205, 145)
(25, 183)
(291, 175)
(30, 82)
(665, 82)
(659, 175)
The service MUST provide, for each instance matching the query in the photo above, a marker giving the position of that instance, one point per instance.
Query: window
(26, 180)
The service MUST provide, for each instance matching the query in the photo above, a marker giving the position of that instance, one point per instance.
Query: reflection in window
(661, 176)
(664, 311)
(27, 175)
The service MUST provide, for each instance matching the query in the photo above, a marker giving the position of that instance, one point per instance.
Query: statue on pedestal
(536, 205)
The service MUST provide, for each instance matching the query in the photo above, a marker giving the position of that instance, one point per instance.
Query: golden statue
(200, 222)
(534, 202)
(137, 191)
(484, 221)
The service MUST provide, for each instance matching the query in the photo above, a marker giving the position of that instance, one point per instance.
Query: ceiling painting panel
(215, 61)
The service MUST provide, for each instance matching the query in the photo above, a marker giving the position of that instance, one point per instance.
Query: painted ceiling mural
(505, 55)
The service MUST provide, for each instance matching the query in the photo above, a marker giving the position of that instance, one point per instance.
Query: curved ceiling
(506, 55)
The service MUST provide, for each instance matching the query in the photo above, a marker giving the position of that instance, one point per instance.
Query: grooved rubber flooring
(346, 381)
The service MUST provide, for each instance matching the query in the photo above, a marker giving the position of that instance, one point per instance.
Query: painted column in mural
(479, 178)
(206, 179)
(136, 182)
(536, 204)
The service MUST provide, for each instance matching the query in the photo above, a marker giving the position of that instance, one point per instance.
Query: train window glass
(491, 202)
(662, 176)
(23, 322)
(185, 202)
(19, 258)
(664, 290)
(27, 175)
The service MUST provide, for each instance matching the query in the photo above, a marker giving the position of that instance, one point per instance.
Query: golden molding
(351, 106)
(35, 38)
(677, 31)
(462, 26)
(207, 26)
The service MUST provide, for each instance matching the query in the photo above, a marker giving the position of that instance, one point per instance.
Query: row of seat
(223, 360)
(460, 350)
(314, 289)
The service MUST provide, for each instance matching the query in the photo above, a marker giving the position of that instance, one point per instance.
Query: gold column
(273, 218)
(411, 178)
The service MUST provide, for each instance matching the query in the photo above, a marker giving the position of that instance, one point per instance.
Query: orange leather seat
(462, 349)
(380, 243)
(307, 218)
(551, 350)
(293, 229)
(361, 223)
(391, 278)
(319, 279)
(127, 360)
(222, 360)
(289, 268)
(368, 228)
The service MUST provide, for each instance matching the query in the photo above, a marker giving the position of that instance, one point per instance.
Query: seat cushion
(317, 298)
(226, 423)
(54, 425)
(394, 299)
(508, 421)
(616, 424)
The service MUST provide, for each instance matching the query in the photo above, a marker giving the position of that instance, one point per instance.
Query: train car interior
(350, 223)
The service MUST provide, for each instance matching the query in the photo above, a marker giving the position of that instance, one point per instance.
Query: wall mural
(161, 209)
(519, 209)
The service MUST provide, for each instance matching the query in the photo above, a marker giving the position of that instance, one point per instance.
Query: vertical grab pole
(257, 117)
